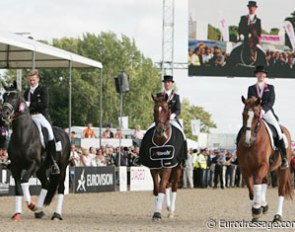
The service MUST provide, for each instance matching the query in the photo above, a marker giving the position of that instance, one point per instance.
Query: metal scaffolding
(167, 62)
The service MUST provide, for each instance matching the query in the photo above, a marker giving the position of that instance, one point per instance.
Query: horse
(254, 152)
(163, 149)
(28, 156)
(244, 57)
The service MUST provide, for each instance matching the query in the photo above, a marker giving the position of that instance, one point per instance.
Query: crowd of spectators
(218, 168)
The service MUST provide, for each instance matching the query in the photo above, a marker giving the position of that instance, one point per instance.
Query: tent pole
(70, 98)
(100, 109)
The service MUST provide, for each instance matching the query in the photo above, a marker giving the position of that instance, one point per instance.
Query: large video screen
(232, 37)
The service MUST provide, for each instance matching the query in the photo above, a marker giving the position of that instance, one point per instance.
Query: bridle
(161, 125)
(13, 114)
(254, 129)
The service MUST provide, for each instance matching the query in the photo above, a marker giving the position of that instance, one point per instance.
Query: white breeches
(39, 119)
(271, 119)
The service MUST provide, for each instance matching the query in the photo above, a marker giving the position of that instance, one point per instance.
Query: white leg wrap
(60, 199)
(18, 204)
(173, 199)
(251, 204)
(26, 192)
(257, 195)
(160, 202)
(167, 197)
(263, 194)
(41, 198)
(280, 205)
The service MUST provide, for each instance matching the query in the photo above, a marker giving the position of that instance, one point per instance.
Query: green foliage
(233, 34)
(190, 112)
(274, 31)
(213, 33)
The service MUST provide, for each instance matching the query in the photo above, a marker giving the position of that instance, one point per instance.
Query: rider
(173, 98)
(37, 99)
(250, 25)
(267, 94)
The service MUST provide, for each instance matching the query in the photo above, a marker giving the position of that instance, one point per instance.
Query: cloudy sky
(142, 20)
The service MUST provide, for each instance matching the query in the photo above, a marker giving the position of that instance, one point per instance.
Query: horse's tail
(53, 183)
(288, 185)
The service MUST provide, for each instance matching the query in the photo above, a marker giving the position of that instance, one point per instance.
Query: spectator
(100, 158)
(119, 134)
(218, 173)
(107, 134)
(86, 159)
(229, 170)
(73, 135)
(188, 170)
(89, 132)
(137, 133)
(74, 157)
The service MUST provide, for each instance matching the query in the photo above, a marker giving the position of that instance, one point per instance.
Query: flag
(195, 124)
(290, 32)
(224, 30)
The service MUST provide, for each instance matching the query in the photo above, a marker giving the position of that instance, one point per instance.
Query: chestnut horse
(163, 148)
(254, 152)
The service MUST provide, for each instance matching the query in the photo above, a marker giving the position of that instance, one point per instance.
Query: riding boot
(283, 152)
(51, 149)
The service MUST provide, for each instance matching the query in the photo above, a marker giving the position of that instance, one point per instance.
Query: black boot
(51, 149)
(283, 152)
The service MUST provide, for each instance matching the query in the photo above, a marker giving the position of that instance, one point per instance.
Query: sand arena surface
(132, 211)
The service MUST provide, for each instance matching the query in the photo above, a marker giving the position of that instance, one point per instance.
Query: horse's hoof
(254, 220)
(56, 216)
(264, 209)
(277, 218)
(39, 215)
(157, 217)
(168, 209)
(171, 215)
(256, 212)
(32, 206)
(16, 217)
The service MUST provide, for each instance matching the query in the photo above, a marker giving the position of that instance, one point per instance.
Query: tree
(233, 34)
(213, 33)
(190, 112)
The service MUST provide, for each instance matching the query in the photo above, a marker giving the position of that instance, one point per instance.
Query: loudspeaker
(125, 83)
(121, 83)
(118, 84)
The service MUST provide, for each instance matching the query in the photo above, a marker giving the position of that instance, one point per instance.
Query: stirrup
(55, 169)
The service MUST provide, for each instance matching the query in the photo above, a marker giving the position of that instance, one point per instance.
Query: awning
(17, 52)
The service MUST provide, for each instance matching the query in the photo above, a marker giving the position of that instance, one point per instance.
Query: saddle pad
(272, 135)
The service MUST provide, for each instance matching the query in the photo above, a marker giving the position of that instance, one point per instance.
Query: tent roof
(18, 52)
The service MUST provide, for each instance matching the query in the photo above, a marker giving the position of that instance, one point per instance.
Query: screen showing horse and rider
(231, 38)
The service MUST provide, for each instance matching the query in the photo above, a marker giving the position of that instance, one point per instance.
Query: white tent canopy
(17, 52)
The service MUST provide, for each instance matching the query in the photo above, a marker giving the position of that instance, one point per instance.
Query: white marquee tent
(18, 52)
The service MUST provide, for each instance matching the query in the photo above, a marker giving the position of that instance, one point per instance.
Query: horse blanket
(168, 155)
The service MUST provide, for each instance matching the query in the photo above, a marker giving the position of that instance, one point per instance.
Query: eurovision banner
(94, 179)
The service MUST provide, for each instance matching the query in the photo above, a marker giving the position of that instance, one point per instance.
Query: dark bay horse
(163, 148)
(254, 152)
(28, 156)
(244, 57)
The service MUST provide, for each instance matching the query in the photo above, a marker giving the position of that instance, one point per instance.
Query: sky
(142, 21)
